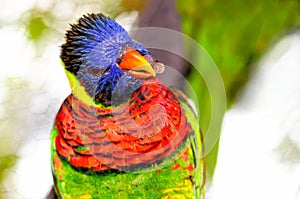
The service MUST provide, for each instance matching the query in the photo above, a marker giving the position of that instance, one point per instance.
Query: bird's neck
(78, 91)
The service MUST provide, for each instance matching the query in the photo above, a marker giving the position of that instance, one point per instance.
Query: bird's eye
(95, 71)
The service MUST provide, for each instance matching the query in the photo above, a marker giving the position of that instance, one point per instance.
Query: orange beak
(136, 64)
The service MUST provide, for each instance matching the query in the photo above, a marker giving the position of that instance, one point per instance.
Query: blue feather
(95, 42)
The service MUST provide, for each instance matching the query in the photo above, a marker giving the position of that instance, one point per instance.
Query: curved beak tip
(136, 64)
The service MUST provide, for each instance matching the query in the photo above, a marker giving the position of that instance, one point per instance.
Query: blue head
(104, 59)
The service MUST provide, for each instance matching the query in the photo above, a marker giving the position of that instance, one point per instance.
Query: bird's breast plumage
(146, 130)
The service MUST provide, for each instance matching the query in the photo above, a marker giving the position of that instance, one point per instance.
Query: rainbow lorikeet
(122, 133)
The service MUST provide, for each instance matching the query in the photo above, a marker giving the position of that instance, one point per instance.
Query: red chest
(145, 130)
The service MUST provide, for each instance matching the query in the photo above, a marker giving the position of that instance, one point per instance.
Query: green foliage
(132, 5)
(37, 25)
(12, 124)
(6, 162)
(235, 34)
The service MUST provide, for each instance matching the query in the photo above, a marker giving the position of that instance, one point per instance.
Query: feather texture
(122, 133)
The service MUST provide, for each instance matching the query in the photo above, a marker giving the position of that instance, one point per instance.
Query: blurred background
(255, 44)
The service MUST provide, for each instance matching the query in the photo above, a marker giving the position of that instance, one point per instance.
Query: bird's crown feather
(93, 35)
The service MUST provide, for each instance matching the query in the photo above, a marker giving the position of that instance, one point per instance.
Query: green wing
(197, 142)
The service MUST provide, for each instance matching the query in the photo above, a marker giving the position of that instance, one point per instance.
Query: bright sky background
(249, 163)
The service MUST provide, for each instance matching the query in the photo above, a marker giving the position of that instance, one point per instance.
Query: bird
(122, 133)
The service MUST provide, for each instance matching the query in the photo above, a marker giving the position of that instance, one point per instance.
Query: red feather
(144, 130)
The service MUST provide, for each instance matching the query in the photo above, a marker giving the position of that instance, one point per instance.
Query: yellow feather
(79, 91)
